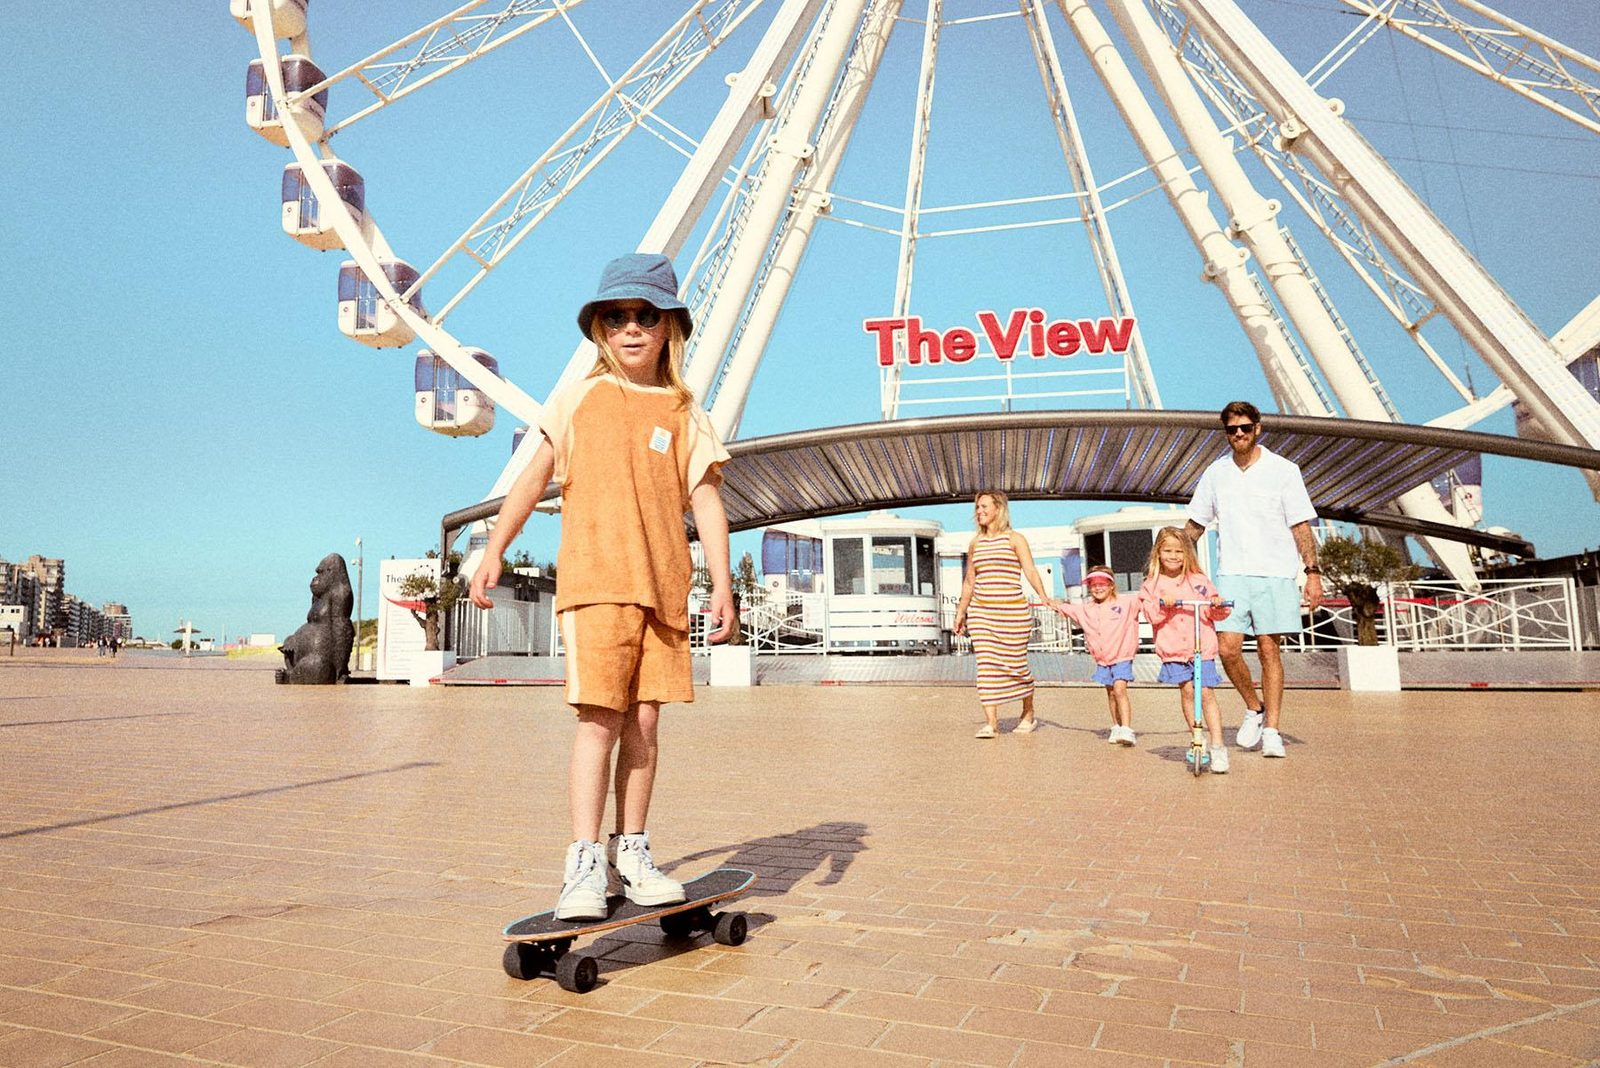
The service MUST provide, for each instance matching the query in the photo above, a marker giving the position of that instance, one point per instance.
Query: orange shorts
(621, 654)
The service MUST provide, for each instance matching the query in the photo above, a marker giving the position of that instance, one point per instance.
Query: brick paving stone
(811, 1054)
(1491, 1053)
(163, 1031)
(44, 1049)
(327, 887)
(125, 1057)
(604, 1028)
(257, 1048)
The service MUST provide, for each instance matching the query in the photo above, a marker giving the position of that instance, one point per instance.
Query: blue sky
(190, 431)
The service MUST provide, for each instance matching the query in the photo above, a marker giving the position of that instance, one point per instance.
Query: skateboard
(541, 944)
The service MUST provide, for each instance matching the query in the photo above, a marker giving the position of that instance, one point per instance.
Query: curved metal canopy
(1353, 468)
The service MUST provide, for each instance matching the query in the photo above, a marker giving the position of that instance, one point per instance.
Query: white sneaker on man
(1271, 743)
(1250, 729)
(1219, 760)
(642, 881)
(583, 895)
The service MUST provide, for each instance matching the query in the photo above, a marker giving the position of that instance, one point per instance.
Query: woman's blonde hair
(669, 372)
(1002, 512)
(1191, 562)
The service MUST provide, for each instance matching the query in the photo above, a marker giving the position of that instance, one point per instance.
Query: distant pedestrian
(1110, 623)
(1002, 619)
(116, 643)
(1263, 514)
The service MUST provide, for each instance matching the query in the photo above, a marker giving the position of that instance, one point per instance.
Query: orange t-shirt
(627, 458)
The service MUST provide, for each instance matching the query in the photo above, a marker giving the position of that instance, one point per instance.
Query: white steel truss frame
(1474, 303)
(1506, 52)
(810, 201)
(1139, 382)
(911, 210)
(618, 111)
(1301, 296)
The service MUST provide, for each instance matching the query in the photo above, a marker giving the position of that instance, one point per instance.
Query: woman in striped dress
(1001, 618)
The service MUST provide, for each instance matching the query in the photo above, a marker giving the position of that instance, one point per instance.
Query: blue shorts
(1178, 672)
(1261, 604)
(1106, 674)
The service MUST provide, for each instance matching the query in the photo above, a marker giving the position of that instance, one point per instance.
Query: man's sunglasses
(1239, 429)
(616, 318)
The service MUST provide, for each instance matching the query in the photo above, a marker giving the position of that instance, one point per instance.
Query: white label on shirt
(661, 440)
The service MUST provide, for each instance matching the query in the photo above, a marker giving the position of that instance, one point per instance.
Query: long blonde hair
(669, 371)
(1191, 562)
(1002, 512)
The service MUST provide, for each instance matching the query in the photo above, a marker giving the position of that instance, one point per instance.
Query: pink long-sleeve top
(1173, 628)
(1110, 627)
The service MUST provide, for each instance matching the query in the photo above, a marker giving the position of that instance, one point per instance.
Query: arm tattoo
(1305, 542)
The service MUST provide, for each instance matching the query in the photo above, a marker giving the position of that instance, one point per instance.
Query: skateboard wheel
(577, 973)
(524, 961)
(731, 929)
(678, 924)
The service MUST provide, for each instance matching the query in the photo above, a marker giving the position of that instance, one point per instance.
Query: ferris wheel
(758, 174)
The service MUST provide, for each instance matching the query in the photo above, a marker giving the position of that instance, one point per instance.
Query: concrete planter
(1370, 668)
(733, 665)
(430, 664)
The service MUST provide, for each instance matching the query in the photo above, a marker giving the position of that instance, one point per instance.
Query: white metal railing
(772, 622)
(1513, 614)
(1506, 614)
(783, 621)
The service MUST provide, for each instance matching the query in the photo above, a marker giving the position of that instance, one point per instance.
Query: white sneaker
(1128, 737)
(1271, 743)
(1115, 737)
(1219, 760)
(1025, 726)
(583, 895)
(642, 881)
(1250, 729)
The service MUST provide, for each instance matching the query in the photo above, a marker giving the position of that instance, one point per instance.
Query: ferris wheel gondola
(365, 316)
(299, 73)
(449, 404)
(303, 218)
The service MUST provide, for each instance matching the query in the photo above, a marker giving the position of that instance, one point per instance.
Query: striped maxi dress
(999, 621)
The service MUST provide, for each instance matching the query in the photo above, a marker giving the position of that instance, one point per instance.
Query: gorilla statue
(319, 652)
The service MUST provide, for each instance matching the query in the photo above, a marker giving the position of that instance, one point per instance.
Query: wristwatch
(1313, 570)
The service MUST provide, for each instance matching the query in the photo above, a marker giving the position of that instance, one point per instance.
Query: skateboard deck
(540, 943)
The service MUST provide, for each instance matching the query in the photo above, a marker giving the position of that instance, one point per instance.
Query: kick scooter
(1199, 760)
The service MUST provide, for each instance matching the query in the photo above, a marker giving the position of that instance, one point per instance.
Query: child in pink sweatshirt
(1110, 624)
(1174, 575)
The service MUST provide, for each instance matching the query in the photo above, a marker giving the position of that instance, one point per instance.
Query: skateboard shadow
(781, 861)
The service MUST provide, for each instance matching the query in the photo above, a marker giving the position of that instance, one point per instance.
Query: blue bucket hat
(646, 276)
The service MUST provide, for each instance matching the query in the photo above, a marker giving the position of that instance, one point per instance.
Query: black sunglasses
(616, 318)
(1234, 430)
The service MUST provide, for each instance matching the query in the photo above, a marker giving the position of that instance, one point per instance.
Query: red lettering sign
(1062, 337)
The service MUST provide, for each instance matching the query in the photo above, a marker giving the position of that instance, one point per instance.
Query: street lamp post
(360, 576)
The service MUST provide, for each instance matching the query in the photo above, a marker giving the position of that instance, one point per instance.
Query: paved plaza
(199, 867)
